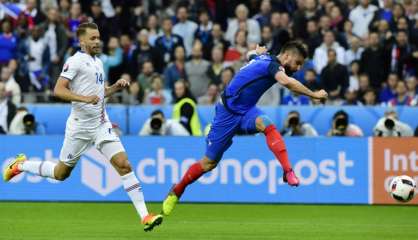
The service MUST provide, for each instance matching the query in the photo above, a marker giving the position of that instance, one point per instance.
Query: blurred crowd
(363, 52)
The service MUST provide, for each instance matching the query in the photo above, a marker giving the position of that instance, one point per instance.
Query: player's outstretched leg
(194, 172)
(134, 191)
(58, 171)
(277, 146)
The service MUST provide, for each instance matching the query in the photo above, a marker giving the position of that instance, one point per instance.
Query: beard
(288, 70)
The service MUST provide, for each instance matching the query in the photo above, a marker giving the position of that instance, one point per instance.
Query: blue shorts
(224, 127)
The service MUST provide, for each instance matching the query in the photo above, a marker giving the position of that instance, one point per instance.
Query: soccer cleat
(150, 221)
(12, 170)
(169, 203)
(290, 178)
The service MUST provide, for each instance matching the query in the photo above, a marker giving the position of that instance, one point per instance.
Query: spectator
(383, 31)
(389, 91)
(97, 16)
(305, 14)
(321, 56)
(334, 77)
(354, 75)
(361, 16)
(24, 123)
(252, 26)
(204, 31)
(196, 70)
(11, 87)
(401, 99)
(390, 126)
(175, 70)
(153, 29)
(267, 40)
(145, 52)
(355, 51)
(8, 43)
(236, 54)
(369, 97)
(363, 85)
(373, 61)
(76, 17)
(348, 32)
(398, 11)
(400, 52)
(351, 98)
(7, 110)
(128, 47)
(341, 126)
(226, 76)
(216, 65)
(156, 95)
(185, 28)
(217, 39)
(412, 85)
(185, 110)
(158, 125)
(314, 39)
(311, 80)
(293, 126)
(263, 17)
(57, 38)
(211, 97)
(114, 56)
(167, 42)
(38, 57)
(33, 13)
(142, 83)
(337, 19)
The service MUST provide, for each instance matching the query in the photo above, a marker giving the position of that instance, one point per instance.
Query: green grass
(73, 221)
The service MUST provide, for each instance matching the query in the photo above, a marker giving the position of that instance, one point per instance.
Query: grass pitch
(98, 221)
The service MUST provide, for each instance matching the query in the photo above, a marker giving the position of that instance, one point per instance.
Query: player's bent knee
(262, 122)
(61, 176)
(208, 164)
(121, 164)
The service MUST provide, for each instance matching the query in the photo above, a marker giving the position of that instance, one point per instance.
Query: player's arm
(257, 51)
(295, 86)
(118, 85)
(62, 91)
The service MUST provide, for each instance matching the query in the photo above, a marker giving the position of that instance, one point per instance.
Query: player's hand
(92, 99)
(260, 50)
(320, 95)
(121, 83)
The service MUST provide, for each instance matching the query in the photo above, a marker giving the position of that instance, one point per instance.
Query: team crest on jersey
(66, 67)
(88, 64)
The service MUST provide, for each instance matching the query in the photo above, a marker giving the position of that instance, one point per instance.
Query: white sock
(134, 190)
(40, 168)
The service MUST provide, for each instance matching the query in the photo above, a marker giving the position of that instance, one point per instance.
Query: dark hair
(81, 30)
(340, 113)
(187, 92)
(157, 112)
(331, 50)
(231, 69)
(295, 46)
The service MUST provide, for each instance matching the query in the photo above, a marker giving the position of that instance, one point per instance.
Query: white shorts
(76, 142)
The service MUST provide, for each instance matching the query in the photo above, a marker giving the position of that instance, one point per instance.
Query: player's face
(91, 41)
(293, 61)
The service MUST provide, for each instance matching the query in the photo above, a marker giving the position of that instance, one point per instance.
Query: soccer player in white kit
(82, 83)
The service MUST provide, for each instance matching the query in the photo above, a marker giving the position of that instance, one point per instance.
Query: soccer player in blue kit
(236, 112)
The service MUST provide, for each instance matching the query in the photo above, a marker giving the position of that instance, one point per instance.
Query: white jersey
(86, 77)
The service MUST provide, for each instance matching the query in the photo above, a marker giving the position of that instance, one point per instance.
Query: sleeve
(70, 69)
(274, 67)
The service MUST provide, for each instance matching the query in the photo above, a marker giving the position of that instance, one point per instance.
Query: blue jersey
(249, 84)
